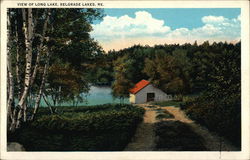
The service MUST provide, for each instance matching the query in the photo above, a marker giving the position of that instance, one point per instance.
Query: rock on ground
(14, 146)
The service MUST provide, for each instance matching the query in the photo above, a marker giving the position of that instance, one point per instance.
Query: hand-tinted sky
(124, 27)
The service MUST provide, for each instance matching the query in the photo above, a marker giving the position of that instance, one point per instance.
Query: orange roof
(139, 86)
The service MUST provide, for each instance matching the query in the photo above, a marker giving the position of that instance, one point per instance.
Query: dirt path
(144, 139)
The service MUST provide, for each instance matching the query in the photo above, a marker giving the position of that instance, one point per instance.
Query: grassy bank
(94, 128)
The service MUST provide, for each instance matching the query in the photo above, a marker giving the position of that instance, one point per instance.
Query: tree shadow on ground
(143, 139)
(177, 136)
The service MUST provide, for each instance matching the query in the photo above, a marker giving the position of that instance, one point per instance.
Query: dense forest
(176, 69)
(50, 58)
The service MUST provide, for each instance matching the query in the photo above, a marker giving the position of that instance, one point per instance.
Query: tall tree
(72, 48)
(10, 81)
(169, 72)
(123, 68)
(32, 31)
(28, 30)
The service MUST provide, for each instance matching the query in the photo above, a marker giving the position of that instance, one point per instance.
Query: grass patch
(168, 103)
(151, 106)
(162, 113)
(177, 136)
(158, 110)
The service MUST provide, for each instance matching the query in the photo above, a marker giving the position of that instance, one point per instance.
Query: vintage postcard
(139, 80)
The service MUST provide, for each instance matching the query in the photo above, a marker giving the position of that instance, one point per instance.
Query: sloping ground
(175, 133)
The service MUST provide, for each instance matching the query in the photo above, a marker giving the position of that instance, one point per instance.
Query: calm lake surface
(97, 95)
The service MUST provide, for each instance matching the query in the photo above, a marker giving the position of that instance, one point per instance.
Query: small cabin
(144, 92)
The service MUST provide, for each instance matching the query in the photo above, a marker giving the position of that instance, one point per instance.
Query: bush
(62, 109)
(81, 129)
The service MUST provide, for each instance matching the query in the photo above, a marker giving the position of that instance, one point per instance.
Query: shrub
(81, 129)
(88, 109)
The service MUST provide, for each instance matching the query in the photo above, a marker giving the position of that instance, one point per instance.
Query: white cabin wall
(140, 97)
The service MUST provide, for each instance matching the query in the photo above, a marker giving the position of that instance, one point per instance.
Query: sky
(121, 28)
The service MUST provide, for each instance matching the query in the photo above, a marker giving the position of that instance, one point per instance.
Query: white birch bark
(17, 61)
(41, 88)
(10, 100)
(28, 30)
(45, 70)
(42, 37)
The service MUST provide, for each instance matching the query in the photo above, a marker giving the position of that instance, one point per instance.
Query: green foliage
(219, 107)
(99, 70)
(177, 69)
(221, 116)
(169, 72)
(123, 68)
(68, 41)
(71, 46)
(67, 83)
(93, 128)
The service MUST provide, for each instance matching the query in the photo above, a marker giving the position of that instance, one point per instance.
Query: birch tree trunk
(46, 66)
(18, 44)
(42, 37)
(19, 113)
(48, 104)
(41, 88)
(10, 101)
(28, 32)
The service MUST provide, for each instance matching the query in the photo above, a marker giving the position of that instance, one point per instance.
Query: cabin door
(150, 97)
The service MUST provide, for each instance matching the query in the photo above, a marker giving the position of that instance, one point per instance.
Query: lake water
(97, 95)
